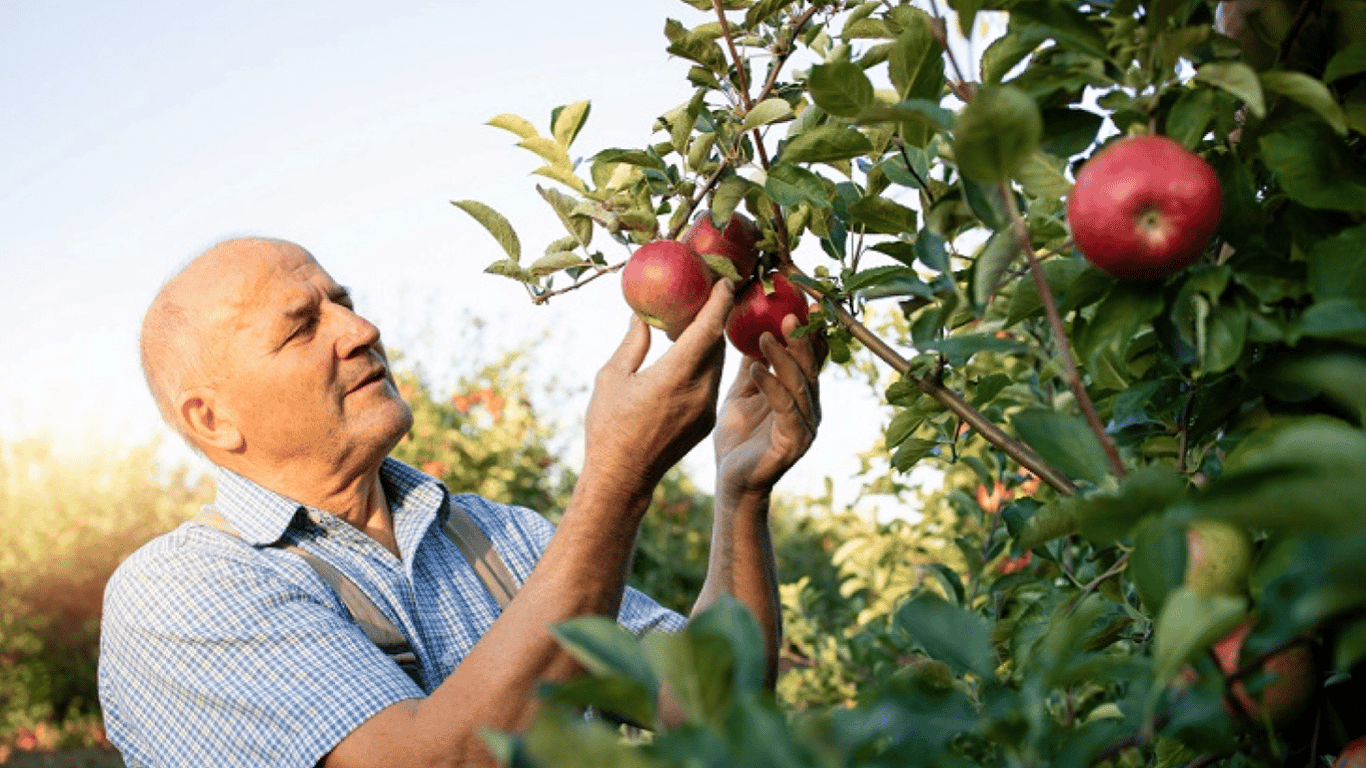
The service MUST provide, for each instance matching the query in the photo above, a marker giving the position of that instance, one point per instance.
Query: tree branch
(1050, 305)
(952, 401)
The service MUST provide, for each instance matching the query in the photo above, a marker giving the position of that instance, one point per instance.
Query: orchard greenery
(890, 172)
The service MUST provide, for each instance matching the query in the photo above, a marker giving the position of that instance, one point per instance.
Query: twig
(1296, 23)
(911, 168)
(1184, 445)
(542, 298)
(1050, 306)
(952, 401)
(784, 54)
(779, 221)
(697, 198)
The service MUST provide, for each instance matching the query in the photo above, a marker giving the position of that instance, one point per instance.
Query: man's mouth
(377, 375)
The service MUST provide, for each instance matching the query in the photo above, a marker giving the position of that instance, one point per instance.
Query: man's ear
(206, 423)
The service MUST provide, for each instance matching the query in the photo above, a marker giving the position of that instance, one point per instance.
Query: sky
(137, 134)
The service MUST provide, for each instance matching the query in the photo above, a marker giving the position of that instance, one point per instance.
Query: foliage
(1114, 413)
(65, 523)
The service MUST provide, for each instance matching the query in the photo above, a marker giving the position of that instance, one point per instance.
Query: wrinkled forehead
(260, 280)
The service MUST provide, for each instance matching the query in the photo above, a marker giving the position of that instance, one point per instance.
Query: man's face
(304, 378)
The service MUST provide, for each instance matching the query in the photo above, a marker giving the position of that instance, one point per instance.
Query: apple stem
(952, 401)
(1050, 306)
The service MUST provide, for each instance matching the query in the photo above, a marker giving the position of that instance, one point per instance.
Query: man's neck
(357, 498)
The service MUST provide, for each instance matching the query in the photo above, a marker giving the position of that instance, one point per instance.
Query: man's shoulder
(176, 570)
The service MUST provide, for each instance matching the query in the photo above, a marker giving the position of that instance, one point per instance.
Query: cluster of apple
(667, 281)
(1144, 208)
(1217, 561)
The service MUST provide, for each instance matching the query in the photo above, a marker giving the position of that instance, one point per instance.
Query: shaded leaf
(840, 88)
(948, 633)
(1065, 441)
(995, 132)
(496, 224)
(1310, 92)
(825, 143)
(1238, 79)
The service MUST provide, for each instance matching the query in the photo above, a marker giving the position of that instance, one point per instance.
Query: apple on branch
(737, 243)
(666, 282)
(761, 308)
(1144, 208)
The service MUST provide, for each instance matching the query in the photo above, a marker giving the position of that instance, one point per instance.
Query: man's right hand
(642, 422)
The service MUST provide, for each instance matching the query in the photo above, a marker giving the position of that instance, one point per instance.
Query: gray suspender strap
(479, 551)
(463, 532)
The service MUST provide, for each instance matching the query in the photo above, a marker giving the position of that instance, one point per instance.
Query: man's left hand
(770, 416)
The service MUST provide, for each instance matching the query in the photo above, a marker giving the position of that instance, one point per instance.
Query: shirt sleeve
(212, 656)
(520, 535)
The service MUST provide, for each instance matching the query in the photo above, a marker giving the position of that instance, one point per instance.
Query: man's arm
(767, 423)
(640, 422)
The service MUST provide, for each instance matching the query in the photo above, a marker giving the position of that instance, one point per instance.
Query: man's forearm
(742, 564)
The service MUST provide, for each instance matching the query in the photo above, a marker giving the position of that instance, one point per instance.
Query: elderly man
(221, 645)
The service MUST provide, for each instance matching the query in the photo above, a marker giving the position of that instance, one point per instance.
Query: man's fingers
(705, 336)
(789, 374)
(631, 354)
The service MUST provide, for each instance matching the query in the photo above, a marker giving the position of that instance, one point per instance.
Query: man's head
(257, 357)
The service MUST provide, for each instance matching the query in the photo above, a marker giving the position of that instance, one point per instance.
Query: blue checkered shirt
(216, 650)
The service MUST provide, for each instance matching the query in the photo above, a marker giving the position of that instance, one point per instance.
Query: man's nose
(357, 333)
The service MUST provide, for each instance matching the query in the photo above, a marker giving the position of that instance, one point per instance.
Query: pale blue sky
(138, 133)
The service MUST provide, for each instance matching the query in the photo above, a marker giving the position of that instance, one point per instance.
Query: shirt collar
(261, 515)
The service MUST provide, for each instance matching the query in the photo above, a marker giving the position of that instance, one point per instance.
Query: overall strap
(368, 616)
(479, 551)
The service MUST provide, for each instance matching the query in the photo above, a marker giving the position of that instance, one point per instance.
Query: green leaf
(878, 215)
(1068, 132)
(1190, 623)
(1146, 491)
(1339, 376)
(1311, 93)
(903, 424)
(840, 88)
(995, 132)
(910, 111)
(1008, 50)
(729, 192)
(728, 618)
(1346, 62)
(916, 61)
(496, 224)
(1334, 319)
(1042, 175)
(1158, 561)
(1238, 79)
(568, 120)
(826, 143)
(695, 46)
(951, 634)
(997, 254)
(697, 669)
(508, 268)
(791, 185)
(1065, 24)
(1065, 441)
(767, 111)
(1314, 166)
(1059, 517)
(604, 648)
(1337, 265)
(1189, 118)
(911, 451)
(630, 157)
(876, 276)
(515, 124)
(549, 150)
(555, 262)
(722, 265)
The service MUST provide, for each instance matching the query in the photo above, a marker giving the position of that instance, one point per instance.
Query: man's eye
(305, 328)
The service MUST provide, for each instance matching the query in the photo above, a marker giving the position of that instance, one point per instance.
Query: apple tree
(1159, 475)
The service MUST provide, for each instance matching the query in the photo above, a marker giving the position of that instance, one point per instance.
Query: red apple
(666, 282)
(738, 242)
(1144, 208)
(1290, 689)
(1353, 755)
(756, 311)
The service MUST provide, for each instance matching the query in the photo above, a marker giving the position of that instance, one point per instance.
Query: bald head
(181, 340)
